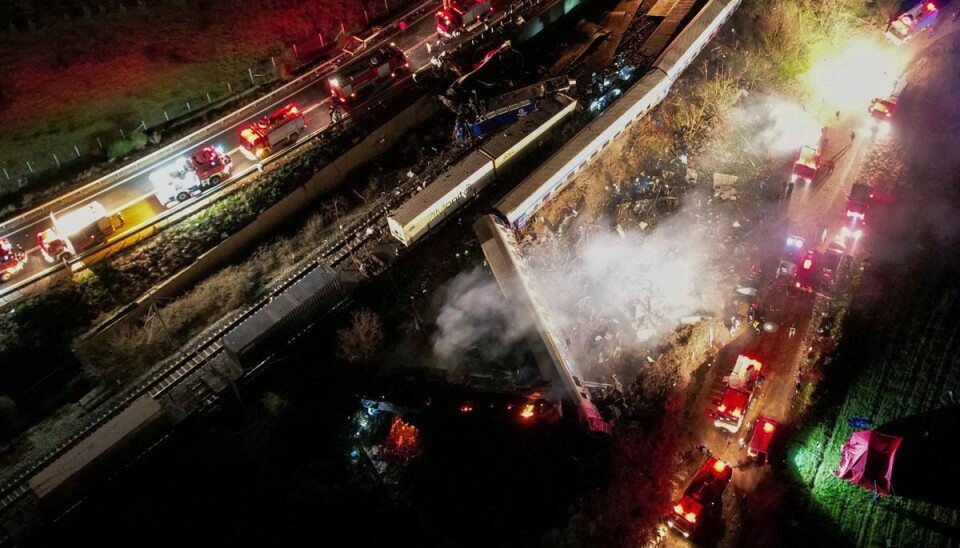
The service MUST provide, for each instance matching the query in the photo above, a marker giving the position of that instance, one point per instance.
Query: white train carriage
(694, 37)
(518, 206)
(444, 195)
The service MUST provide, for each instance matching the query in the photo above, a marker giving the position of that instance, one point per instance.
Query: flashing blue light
(354, 454)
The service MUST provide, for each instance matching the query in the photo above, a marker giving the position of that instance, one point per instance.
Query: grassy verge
(127, 65)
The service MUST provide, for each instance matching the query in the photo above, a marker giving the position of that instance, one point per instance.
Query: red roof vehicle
(12, 260)
(763, 434)
(283, 126)
(739, 390)
(704, 491)
(379, 66)
(455, 15)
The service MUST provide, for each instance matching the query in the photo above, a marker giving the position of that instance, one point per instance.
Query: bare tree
(360, 341)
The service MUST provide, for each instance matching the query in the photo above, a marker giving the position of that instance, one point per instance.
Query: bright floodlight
(861, 70)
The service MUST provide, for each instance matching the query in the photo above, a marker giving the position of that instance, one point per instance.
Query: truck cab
(737, 393)
(763, 434)
(830, 263)
(806, 165)
(881, 113)
(187, 178)
(283, 126)
(912, 22)
(12, 260)
(805, 275)
(72, 233)
(858, 204)
(792, 249)
(456, 16)
(704, 492)
(379, 66)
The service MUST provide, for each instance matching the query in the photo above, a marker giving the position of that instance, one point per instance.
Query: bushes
(123, 147)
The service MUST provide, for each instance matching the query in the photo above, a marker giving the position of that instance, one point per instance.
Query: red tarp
(867, 460)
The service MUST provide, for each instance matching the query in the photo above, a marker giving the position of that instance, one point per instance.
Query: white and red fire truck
(912, 22)
(455, 17)
(282, 127)
(738, 391)
(761, 439)
(805, 275)
(806, 166)
(704, 492)
(186, 178)
(12, 260)
(380, 66)
(76, 231)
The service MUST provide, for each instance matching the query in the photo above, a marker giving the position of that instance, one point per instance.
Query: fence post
(122, 136)
(5, 174)
(30, 167)
(188, 106)
(208, 98)
(367, 16)
(320, 34)
(165, 115)
(386, 6)
(250, 72)
(100, 143)
(77, 150)
(343, 29)
(295, 53)
(229, 88)
(57, 160)
(274, 61)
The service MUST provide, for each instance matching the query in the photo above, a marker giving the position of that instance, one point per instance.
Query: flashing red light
(931, 7)
(807, 263)
(292, 109)
(466, 408)
(722, 408)
(737, 411)
(678, 509)
(691, 517)
(769, 427)
(719, 466)
(249, 136)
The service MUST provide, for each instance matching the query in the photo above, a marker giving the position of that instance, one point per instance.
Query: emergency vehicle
(738, 391)
(805, 275)
(378, 67)
(185, 178)
(12, 260)
(284, 126)
(912, 22)
(74, 232)
(858, 204)
(830, 263)
(881, 112)
(456, 16)
(763, 433)
(806, 166)
(704, 492)
(792, 249)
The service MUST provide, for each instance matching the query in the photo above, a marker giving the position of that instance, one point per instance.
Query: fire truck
(283, 126)
(703, 493)
(380, 66)
(806, 166)
(454, 17)
(12, 260)
(738, 391)
(805, 275)
(881, 112)
(792, 249)
(912, 22)
(186, 178)
(857, 204)
(763, 433)
(77, 231)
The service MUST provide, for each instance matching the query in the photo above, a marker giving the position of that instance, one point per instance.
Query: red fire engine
(284, 126)
(704, 491)
(12, 260)
(805, 276)
(763, 433)
(185, 178)
(380, 66)
(455, 16)
(738, 391)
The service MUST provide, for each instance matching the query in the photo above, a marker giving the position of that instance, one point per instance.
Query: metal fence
(17, 174)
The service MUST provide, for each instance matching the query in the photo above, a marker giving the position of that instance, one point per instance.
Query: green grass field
(66, 83)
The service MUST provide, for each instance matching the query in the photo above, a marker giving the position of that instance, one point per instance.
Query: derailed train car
(557, 172)
(461, 183)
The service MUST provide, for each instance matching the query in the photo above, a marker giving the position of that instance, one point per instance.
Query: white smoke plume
(475, 318)
(776, 126)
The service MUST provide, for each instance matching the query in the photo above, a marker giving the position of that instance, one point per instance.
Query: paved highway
(133, 196)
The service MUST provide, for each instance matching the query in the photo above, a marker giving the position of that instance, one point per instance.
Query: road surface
(133, 196)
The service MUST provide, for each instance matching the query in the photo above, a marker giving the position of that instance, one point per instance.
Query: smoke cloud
(475, 321)
(776, 126)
